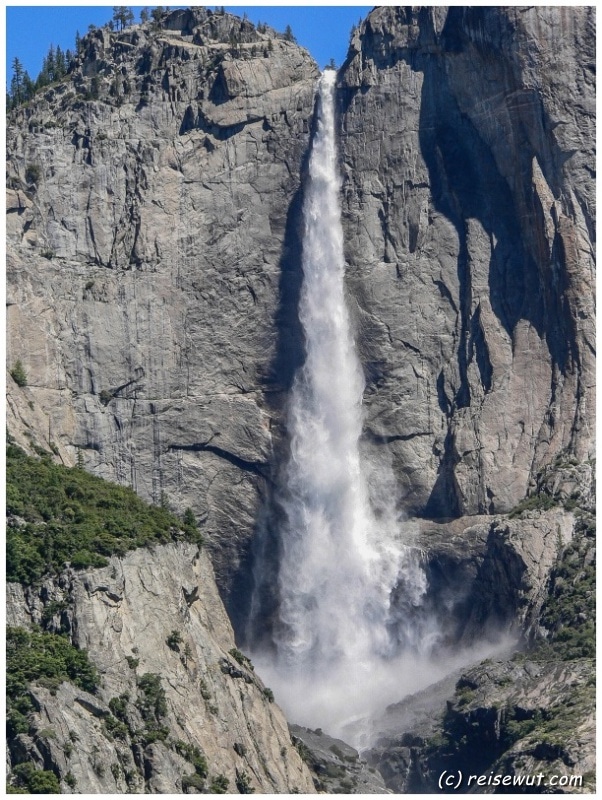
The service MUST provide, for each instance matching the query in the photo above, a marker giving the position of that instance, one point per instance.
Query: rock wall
(468, 154)
(488, 577)
(151, 242)
(123, 615)
(154, 257)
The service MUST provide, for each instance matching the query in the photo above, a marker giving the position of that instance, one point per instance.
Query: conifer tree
(49, 65)
(16, 84)
(122, 16)
(60, 64)
(29, 87)
(157, 13)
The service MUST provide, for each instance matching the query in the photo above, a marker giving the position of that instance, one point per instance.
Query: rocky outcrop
(336, 766)
(527, 712)
(489, 577)
(511, 719)
(152, 614)
(467, 148)
(151, 269)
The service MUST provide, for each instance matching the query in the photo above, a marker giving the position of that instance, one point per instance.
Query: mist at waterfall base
(352, 634)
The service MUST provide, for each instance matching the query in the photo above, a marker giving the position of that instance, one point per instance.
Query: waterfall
(339, 634)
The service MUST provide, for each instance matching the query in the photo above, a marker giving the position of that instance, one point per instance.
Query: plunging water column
(341, 559)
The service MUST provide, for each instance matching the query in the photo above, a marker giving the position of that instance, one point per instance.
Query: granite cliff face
(467, 146)
(153, 279)
(151, 205)
(153, 255)
(123, 616)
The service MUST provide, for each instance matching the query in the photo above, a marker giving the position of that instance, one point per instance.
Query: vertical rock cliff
(468, 147)
(172, 684)
(153, 280)
(151, 261)
(153, 255)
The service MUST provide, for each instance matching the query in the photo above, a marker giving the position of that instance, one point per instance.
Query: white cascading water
(340, 640)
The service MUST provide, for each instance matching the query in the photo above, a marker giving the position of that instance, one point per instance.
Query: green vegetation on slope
(569, 612)
(43, 658)
(59, 514)
(478, 731)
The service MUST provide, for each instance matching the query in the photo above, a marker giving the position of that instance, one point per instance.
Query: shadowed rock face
(467, 146)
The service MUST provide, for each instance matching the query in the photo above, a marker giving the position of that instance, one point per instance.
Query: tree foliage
(30, 780)
(18, 374)
(569, 612)
(55, 66)
(57, 63)
(59, 514)
(43, 658)
(122, 17)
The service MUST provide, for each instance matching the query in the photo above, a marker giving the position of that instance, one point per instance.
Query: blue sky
(30, 30)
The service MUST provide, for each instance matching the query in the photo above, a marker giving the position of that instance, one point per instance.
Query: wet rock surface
(529, 711)
(507, 718)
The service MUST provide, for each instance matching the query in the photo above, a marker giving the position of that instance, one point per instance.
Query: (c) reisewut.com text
(450, 779)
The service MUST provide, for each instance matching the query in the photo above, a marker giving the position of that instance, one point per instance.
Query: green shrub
(42, 658)
(72, 516)
(153, 733)
(115, 729)
(304, 751)
(18, 374)
(52, 609)
(70, 780)
(174, 640)
(118, 705)
(269, 694)
(36, 781)
(219, 785)
(569, 611)
(464, 695)
(194, 755)
(537, 502)
(34, 655)
(152, 705)
(33, 173)
(242, 659)
(243, 783)
(190, 525)
(193, 781)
